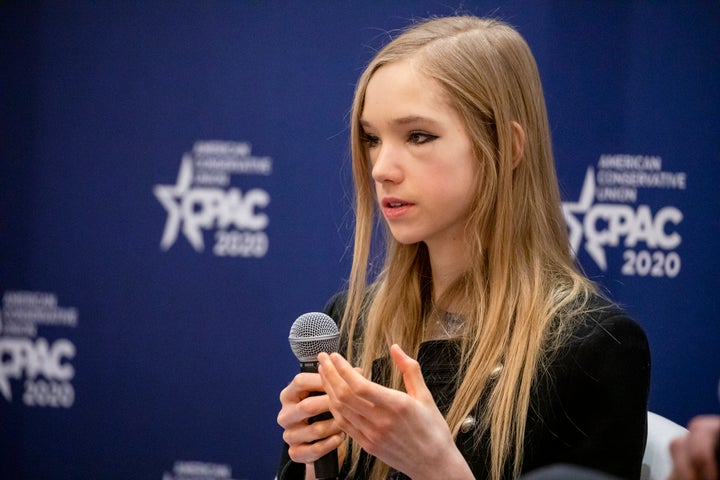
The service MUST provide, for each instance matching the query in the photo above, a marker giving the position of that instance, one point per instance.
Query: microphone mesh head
(311, 334)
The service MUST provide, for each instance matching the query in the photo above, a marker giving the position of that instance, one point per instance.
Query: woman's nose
(386, 166)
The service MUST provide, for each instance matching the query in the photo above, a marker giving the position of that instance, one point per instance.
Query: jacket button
(467, 424)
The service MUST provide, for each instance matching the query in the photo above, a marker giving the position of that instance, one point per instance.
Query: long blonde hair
(522, 287)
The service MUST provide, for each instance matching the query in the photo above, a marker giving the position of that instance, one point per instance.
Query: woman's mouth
(394, 208)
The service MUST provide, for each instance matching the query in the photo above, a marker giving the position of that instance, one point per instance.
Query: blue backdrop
(174, 192)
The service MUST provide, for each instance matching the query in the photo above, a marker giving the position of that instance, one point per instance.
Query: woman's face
(422, 158)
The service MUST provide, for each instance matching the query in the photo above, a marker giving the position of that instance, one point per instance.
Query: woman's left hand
(404, 430)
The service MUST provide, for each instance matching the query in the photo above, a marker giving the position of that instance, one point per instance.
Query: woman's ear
(518, 144)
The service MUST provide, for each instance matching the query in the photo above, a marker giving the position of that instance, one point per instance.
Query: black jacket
(589, 408)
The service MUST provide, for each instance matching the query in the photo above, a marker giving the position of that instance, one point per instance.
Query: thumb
(412, 375)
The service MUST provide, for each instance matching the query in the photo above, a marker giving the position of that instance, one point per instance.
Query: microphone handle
(326, 467)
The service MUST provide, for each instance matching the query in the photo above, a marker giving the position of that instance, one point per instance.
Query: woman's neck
(447, 265)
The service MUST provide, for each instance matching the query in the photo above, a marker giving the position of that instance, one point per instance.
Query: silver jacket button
(467, 424)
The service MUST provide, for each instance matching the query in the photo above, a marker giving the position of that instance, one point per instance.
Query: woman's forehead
(399, 93)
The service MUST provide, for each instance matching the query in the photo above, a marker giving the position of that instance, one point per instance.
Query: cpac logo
(20, 356)
(201, 208)
(605, 225)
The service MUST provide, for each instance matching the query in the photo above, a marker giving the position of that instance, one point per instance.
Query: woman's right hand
(307, 441)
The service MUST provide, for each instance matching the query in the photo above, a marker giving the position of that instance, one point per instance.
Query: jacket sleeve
(591, 407)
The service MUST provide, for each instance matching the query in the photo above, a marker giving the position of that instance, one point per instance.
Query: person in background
(696, 455)
(479, 350)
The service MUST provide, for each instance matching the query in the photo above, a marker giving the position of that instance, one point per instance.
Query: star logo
(573, 212)
(203, 201)
(171, 196)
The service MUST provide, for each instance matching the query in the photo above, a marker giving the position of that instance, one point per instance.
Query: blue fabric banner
(175, 191)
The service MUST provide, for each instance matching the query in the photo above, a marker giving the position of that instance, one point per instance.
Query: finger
(337, 372)
(701, 445)
(300, 387)
(412, 374)
(300, 411)
(345, 385)
(344, 369)
(351, 410)
(312, 432)
(309, 452)
(681, 467)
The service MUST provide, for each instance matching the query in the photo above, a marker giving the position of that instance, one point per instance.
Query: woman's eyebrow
(403, 120)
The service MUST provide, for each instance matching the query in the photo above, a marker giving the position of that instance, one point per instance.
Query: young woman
(520, 362)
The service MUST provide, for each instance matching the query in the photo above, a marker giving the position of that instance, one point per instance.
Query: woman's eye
(418, 138)
(370, 140)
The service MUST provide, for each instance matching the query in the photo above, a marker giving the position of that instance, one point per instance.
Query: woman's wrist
(449, 466)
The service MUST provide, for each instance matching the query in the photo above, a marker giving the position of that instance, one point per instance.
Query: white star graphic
(575, 226)
(170, 197)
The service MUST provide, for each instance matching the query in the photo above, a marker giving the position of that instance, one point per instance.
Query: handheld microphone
(310, 334)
